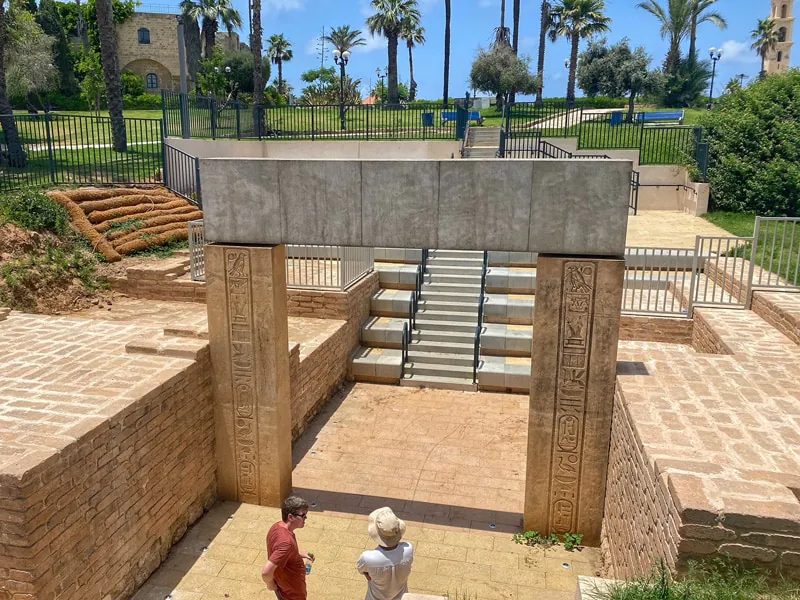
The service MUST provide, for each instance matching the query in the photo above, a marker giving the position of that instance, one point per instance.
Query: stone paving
(668, 229)
(451, 467)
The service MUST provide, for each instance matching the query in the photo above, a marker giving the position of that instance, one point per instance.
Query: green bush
(754, 157)
(33, 210)
(143, 102)
(132, 85)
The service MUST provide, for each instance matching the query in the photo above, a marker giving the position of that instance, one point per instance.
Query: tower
(778, 60)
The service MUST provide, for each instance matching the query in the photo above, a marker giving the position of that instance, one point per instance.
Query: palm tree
(344, 39)
(388, 22)
(258, 73)
(16, 154)
(701, 14)
(212, 12)
(111, 73)
(546, 28)
(765, 40)
(446, 90)
(676, 24)
(579, 19)
(515, 43)
(279, 52)
(414, 34)
(502, 35)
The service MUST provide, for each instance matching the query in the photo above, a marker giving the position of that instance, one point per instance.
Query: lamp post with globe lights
(341, 59)
(715, 54)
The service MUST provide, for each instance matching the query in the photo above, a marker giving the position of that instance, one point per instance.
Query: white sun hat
(385, 528)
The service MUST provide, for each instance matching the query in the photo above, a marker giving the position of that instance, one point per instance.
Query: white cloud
(373, 43)
(279, 5)
(738, 52)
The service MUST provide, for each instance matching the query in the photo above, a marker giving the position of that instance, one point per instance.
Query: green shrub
(33, 210)
(143, 102)
(754, 157)
(132, 85)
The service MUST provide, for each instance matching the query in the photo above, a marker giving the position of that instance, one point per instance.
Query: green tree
(579, 19)
(676, 25)
(447, 17)
(344, 39)
(212, 13)
(617, 71)
(754, 160)
(702, 13)
(230, 73)
(734, 85)
(685, 88)
(16, 153)
(132, 85)
(765, 40)
(93, 85)
(279, 51)
(122, 11)
(413, 34)
(501, 72)
(49, 20)
(381, 92)
(29, 63)
(194, 45)
(388, 22)
(111, 73)
(324, 87)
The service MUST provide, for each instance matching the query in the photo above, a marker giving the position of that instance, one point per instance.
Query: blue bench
(618, 118)
(452, 115)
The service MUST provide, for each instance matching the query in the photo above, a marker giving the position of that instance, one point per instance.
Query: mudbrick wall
(324, 369)
(99, 518)
(656, 329)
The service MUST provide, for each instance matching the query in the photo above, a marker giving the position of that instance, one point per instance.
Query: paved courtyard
(452, 467)
(668, 229)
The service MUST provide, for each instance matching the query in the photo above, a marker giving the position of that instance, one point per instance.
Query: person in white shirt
(388, 566)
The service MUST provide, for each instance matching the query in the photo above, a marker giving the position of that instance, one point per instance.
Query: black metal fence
(182, 174)
(214, 118)
(68, 149)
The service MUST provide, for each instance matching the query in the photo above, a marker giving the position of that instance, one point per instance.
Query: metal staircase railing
(479, 328)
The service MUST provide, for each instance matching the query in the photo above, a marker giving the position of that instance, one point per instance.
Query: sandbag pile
(121, 221)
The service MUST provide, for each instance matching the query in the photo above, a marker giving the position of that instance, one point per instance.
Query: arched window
(151, 81)
(782, 34)
(783, 11)
(144, 36)
(780, 56)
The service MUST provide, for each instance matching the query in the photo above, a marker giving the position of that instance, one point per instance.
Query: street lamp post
(381, 77)
(716, 55)
(341, 59)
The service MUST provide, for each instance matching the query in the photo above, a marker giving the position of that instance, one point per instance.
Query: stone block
(746, 552)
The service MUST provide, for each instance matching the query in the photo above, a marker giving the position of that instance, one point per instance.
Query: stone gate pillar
(248, 330)
(573, 374)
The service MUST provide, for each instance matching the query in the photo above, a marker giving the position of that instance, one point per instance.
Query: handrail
(479, 328)
(466, 138)
(635, 185)
(552, 151)
(404, 350)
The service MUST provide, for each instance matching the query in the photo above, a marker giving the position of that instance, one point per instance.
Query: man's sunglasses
(303, 516)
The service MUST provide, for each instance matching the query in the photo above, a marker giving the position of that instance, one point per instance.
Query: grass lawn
(778, 243)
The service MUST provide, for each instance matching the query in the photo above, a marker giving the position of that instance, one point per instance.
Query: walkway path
(668, 229)
(452, 467)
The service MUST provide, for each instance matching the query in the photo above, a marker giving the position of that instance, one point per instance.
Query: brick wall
(97, 519)
(704, 338)
(781, 310)
(668, 330)
(159, 56)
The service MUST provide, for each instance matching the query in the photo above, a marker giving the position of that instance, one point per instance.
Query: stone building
(779, 59)
(148, 47)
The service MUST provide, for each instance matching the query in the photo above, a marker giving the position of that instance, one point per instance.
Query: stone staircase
(482, 142)
(441, 352)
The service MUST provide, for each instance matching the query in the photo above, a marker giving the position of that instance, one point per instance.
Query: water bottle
(309, 563)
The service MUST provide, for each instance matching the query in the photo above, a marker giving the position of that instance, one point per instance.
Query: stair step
(439, 358)
(439, 383)
(434, 269)
(428, 303)
(453, 278)
(455, 262)
(471, 296)
(435, 286)
(445, 315)
(442, 335)
(430, 323)
(439, 370)
(455, 254)
(442, 347)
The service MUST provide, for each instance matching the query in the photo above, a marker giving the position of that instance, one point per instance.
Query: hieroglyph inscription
(577, 307)
(240, 317)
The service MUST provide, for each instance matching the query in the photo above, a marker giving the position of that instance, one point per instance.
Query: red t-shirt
(282, 550)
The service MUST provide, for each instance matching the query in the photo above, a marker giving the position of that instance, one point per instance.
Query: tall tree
(446, 90)
(676, 24)
(256, 33)
(279, 51)
(16, 154)
(344, 39)
(212, 13)
(502, 73)
(579, 19)
(194, 45)
(111, 73)
(50, 22)
(701, 13)
(413, 34)
(765, 40)
(515, 42)
(388, 22)
(502, 35)
(545, 28)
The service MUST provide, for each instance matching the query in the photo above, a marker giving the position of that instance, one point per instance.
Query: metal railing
(657, 281)
(668, 145)
(775, 255)
(307, 266)
(721, 276)
(635, 185)
(479, 328)
(68, 149)
(182, 174)
(406, 340)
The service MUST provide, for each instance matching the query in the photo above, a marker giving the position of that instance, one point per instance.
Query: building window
(782, 34)
(151, 81)
(780, 56)
(783, 11)
(144, 36)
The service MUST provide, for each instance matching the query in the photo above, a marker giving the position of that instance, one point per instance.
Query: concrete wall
(548, 206)
(433, 149)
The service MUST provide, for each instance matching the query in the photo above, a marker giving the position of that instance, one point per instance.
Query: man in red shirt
(285, 571)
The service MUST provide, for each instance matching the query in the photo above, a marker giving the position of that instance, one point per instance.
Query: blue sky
(301, 21)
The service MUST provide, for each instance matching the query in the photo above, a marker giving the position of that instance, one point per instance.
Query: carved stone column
(248, 330)
(573, 374)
